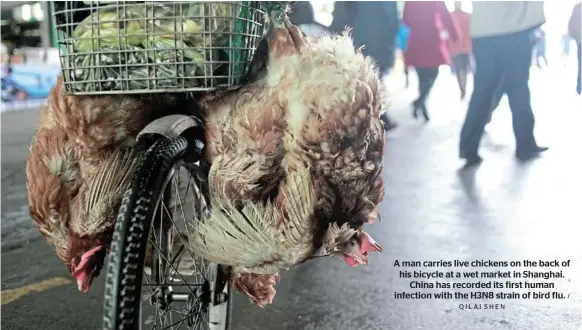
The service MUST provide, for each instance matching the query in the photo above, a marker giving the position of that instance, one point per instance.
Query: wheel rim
(180, 290)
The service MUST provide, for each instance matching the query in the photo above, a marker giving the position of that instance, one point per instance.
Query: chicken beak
(369, 244)
(88, 268)
(83, 286)
(376, 247)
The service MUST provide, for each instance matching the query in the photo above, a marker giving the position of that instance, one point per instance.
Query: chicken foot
(286, 41)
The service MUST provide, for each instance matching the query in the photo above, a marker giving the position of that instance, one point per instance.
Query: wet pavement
(433, 210)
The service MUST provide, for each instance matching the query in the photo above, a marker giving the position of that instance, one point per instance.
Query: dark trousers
(500, 90)
(498, 94)
(507, 56)
(426, 79)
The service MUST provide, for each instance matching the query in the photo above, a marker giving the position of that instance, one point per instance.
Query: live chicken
(296, 162)
(81, 160)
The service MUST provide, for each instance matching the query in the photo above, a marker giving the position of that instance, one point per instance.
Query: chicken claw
(287, 41)
(296, 35)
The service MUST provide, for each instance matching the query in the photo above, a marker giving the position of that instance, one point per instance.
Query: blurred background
(30, 61)
(434, 209)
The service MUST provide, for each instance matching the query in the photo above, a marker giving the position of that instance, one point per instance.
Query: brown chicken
(296, 162)
(80, 163)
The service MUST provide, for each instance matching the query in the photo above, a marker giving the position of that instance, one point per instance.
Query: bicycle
(206, 290)
(149, 270)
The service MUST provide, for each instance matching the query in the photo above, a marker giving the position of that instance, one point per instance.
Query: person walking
(574, 32)
(461, 50)
(502, 47)
(375, 27)
(501, 88)
(427, 49)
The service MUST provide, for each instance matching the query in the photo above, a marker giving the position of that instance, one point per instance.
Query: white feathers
(258, 234)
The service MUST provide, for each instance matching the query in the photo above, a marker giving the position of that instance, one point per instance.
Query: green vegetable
(167, 44)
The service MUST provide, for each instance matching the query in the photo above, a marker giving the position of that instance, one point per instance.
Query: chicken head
(355, 251)
(86, 267)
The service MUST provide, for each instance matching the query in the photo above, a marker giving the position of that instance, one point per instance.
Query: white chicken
(296, 160)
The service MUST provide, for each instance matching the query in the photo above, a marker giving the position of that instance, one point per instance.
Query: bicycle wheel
(153, 281)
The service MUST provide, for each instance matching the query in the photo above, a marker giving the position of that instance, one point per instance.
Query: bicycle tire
(125, 268)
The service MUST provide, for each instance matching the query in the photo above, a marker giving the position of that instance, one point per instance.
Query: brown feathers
(53, 177)
(317, 106)
(80, 162)
(96, 123)
(246, 149)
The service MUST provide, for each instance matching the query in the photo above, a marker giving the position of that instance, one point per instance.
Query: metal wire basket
(113, 47)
